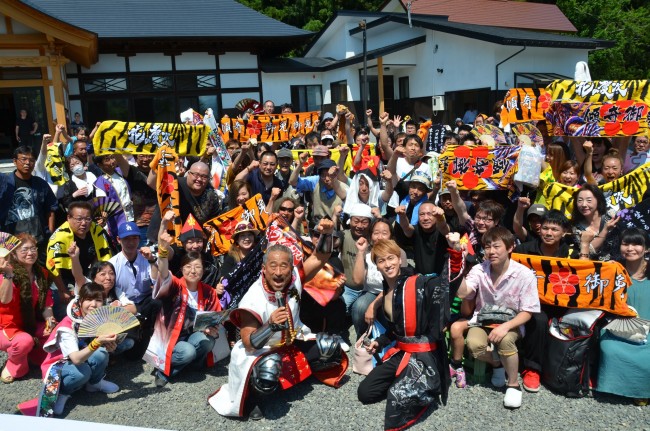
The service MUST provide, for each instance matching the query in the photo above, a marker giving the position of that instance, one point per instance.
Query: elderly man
(269, 107)
(269, 319)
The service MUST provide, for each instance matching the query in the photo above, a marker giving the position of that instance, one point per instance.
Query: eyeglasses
(485, 219)
(25, 160)
(203, 177)
(193, 268)
(25, 250)
(82, 219)
(285, 209)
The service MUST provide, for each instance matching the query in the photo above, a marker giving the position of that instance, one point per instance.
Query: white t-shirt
(193, 299)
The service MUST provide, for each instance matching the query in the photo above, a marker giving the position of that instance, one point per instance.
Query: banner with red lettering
(477, 167)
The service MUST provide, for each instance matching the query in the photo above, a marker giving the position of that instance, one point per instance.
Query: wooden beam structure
(33, 61)
(380, 83)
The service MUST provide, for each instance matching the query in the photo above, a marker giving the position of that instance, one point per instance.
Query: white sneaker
(344, 346)
(60, 404)
(103, 386)
(498, 377)
(512, 400)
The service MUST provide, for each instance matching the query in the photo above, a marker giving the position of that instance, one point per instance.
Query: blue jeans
(74, 377)
(125, 345)
(192, 350)
(349, 296)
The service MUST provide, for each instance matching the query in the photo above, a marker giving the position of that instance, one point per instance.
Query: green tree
(627, 22)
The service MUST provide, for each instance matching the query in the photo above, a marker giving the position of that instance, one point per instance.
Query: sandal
(5, 377)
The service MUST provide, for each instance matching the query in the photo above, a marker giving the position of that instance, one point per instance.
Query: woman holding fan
(77, 362)
(26, 318)
(174, 344)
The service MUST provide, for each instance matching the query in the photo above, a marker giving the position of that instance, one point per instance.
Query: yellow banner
(599, 91)
(477, 167)
(574, 283)
(117, 137)
(268, 128)
(625, 192)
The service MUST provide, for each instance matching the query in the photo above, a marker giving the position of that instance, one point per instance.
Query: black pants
(148, 311)
(533, 344)
(330, 319)
(375, 386)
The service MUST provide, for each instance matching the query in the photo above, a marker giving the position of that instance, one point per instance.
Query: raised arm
(588, 166)
(359, 272)
(124, 166)
(518, 222)
(250, 168)
(387, 193)
(404, 222)
(77, 270)
(369, 123)
(344, 150)
(321, 255)
(457, 202)
(386, 149)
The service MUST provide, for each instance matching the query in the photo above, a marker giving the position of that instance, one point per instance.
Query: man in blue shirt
(134, 276)
(328, 192)
(261, 175)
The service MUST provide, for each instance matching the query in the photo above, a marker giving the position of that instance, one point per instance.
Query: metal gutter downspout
(496, 89)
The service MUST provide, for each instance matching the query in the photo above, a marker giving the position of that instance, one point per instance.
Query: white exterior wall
(277, 86)
(195, 61)
(237, 60)
(150, 62)
(107, 63)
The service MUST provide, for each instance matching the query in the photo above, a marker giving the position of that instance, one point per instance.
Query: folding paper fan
(106, 205)
(7, 243)
(107, 320)
(634, 329)
(252, 104)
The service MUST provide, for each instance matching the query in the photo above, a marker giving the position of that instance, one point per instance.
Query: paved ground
(311, 406)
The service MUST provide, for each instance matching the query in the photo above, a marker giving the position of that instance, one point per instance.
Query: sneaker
(530, 380)
(60, 403)
(498, 377)
(103, 386)
(160, 380)
(512, 400)
(461, 380)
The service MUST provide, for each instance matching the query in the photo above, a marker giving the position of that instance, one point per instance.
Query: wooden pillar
(380, 83)
(59, 98)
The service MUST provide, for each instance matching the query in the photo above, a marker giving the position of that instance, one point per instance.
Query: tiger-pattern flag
(222, 227)
(164, 164)
(598, 108)
(268, 128)
(575, 283)
(118, 137)
(477, 167)
(622, 193)
(524, 104)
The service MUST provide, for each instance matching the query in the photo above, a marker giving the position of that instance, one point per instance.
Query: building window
(306, 98)
(339, 91)
(145, 83)
(194, 82)
(105, 85)
(404, 87)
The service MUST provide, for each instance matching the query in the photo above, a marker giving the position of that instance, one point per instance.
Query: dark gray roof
(499, 35)
(319, 64)
(166, 18)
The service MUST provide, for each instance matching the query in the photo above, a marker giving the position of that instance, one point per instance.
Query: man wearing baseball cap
(327, 191)
(534, 214)
(134, 277)
(408, 209)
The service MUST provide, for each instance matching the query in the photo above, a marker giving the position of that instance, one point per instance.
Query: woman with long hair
(624, 367)
(26, 317)
(175, 344)
(80, 362)
(238, 193)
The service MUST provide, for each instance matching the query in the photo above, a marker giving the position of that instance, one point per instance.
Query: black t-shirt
(143, 197)
(24, 127)
(430, 250)
(87, 252)
(533, 248)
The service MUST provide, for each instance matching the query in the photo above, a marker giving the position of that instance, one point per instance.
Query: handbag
(362, 363)
(494, 314)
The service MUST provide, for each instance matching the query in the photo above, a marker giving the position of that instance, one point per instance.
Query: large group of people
(422, 259)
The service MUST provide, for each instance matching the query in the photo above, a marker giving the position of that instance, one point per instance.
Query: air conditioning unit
(438, 103)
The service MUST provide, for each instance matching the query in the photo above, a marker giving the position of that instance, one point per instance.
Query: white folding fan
(632, 329)
(7, 243)
(107, 320)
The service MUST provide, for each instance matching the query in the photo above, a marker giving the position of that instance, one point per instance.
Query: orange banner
(574, 283)
(268, 128)
(164, 164)
(221, 227)
(524, 104)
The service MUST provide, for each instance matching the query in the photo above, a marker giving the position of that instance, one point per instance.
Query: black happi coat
(420, 314)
